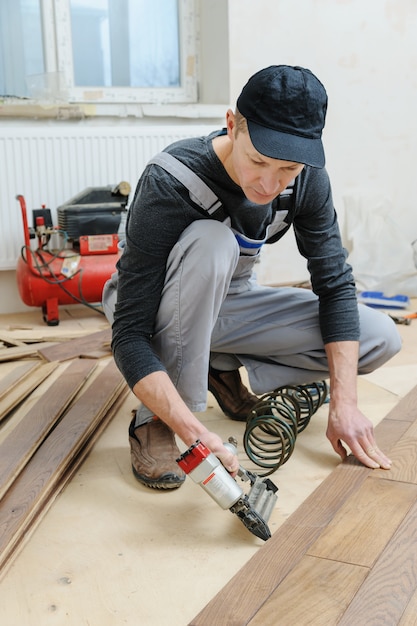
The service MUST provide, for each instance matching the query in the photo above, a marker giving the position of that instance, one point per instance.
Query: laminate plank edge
(13, 378)
(19, 352)
(391, 584)
(76, 347)
(19, 392)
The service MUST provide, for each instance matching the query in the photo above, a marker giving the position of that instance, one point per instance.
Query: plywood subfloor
(111, 552)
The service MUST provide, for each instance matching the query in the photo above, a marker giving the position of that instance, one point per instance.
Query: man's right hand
(215, 445)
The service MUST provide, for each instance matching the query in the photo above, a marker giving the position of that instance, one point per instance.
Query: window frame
(56, 24)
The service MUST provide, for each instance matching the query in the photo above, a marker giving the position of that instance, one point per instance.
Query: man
(187, 312)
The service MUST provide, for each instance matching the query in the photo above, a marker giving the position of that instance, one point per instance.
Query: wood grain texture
(8, 342)
(358, 528)
(76, 347)
(27, 350)
(303, 599)
(391, 584)
(24, 501)
(240, 599)
(405, 410)
(19, 392)
(14, 377)
(403, 455)
(366, 522)
(18, 447)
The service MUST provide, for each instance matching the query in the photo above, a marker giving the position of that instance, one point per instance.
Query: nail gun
(253, 508)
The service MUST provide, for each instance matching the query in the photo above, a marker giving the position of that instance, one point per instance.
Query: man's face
(261, 178)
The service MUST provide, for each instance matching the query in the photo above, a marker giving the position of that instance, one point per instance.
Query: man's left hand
(348, 425)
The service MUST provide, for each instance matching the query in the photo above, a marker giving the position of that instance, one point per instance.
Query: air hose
(275, 421)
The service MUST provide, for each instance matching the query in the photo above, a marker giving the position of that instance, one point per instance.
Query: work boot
(153, 452)
(231, 394)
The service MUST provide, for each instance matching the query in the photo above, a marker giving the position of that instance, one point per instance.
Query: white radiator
(50, 165)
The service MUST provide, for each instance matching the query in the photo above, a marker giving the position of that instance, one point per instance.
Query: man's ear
(230, 123)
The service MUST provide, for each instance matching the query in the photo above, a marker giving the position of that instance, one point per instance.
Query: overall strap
(286, 197)
(199, 191)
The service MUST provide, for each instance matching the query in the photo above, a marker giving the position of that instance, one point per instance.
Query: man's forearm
(342, 357)
(346, 422)
(157, 392)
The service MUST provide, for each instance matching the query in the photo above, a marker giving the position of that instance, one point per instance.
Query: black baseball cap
(285, 108)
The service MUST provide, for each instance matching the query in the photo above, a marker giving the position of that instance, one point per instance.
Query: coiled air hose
(275, 421)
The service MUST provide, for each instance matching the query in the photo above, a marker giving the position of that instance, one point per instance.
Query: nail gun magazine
(253, 508)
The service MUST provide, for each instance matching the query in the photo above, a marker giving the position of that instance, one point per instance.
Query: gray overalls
(273, 332)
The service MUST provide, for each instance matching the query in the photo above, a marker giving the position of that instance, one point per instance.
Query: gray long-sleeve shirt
(160, 211)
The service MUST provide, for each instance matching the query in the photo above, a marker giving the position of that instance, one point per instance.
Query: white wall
(364, 52)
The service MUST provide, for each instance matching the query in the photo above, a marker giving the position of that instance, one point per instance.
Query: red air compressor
(71, 262)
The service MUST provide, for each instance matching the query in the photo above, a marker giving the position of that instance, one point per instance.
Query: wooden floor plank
(365, 523)
(19, 392)
(7, 342)
(18, 447)
(13, 378)
(23, 501)
(404, 455)
(391, 584)
(74, 463)
(27, 350)
(303, 598)
(405, 410)
(389, 432)
(261, 578)
(240, 599)
(75, 347)
(409, 617)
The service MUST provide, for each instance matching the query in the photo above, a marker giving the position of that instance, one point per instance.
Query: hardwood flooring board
(20, 352)
(305, 597)
(409, 617)
(19, 392)
(76, 347)
(386, 593)
(74, 463)
(17, 448)
(21, 503)
(96, 354)
(240, 598)
(403, 455)
(388, 432)
(6, 342)
(12, 378)
(406, 409)
(364, 525)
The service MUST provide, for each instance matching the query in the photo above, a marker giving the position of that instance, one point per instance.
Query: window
(99, 50)
(21, 52)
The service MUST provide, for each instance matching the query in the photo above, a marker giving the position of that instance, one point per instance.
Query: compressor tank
(47, 278)
(48, 288)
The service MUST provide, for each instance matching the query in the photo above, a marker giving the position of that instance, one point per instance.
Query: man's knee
(380, 339)
(211, 237)
(206, 245)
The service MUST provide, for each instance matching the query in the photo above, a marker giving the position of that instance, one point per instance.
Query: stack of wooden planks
(55, 401)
